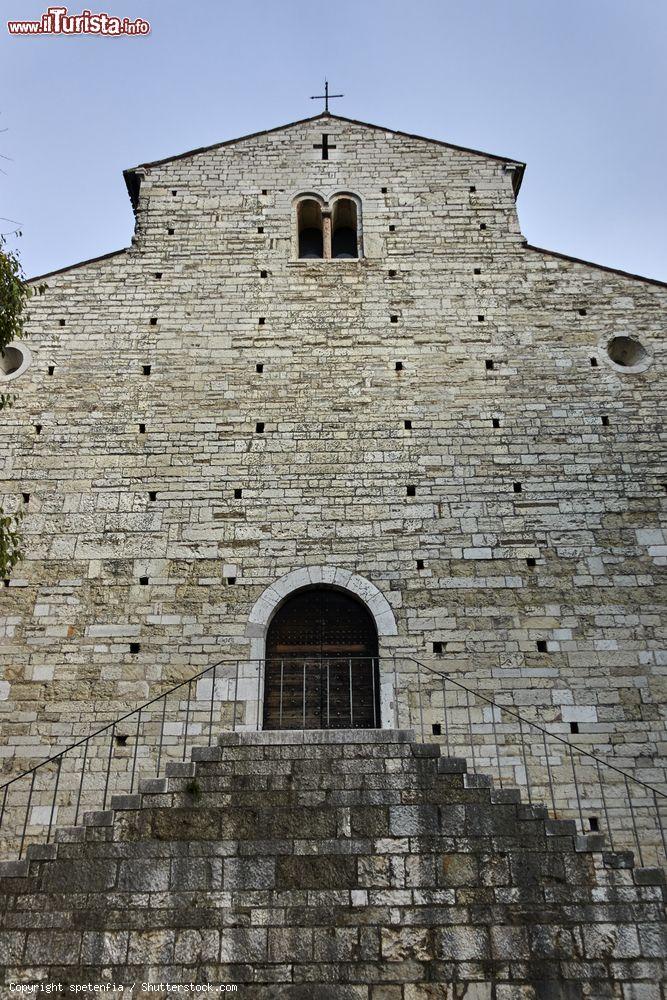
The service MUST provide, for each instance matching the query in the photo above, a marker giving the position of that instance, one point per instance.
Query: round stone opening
(11, 361)
(627, 352)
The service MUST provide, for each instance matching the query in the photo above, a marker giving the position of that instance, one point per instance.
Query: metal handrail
(535, 725)
(654, 793)
(160, 746)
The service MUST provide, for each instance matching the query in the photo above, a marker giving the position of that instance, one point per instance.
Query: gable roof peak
(133, 174)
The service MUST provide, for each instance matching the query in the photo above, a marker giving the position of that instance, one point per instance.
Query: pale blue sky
(576, 89)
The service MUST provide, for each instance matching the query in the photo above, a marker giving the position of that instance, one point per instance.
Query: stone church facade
(330, 369)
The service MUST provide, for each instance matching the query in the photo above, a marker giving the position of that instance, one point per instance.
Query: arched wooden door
(321, 667)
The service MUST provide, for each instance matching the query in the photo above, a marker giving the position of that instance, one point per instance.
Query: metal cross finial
(325, 97)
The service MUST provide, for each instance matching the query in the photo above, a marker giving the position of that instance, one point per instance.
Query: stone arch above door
(266, 605)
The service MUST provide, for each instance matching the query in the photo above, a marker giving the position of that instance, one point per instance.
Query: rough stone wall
(326, 483)
(339, 866)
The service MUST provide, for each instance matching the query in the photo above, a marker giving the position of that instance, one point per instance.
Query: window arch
(327, 230)
(310, 229)
(345, 229)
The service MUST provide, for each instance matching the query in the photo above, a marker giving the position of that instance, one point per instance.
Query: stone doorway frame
(277, 593)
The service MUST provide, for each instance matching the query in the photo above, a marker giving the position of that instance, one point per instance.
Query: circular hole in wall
(628, 353)
(13, 361)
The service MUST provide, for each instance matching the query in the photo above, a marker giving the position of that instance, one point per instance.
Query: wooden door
(321, 668)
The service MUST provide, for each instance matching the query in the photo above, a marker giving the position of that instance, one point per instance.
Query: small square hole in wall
(259, 368)
(516, 487)
(399, 366)
(477, 270)
(174, 193)
(142, 428)
(420, 564)
(482, 225)
(152, 496)
(38, 428)
(495, 422)
(383, 190)
(263, 274)
(259, 427)
(480, 318)
(143, 581)
(530, 562)
(392, 274)
(153, 320)
(604, 421)
(594, 824)
(262, 320)
(438, 648)
(574, 727)
(436, 729)
(26, 497)
(62, 322)
(541, 645)
(260, 229)
(411, 491)
(594, 362)
(472, 189)
(146, 369)
(238, 494)
(158, 275)
(170, 231)
(265, 191)
(5, 582)
(489, 365)
(393, 319)
(135, 647)
(582, 312)
(51, 369)
(407, 424)
(392, 229)
(231, 580)
(120, 739)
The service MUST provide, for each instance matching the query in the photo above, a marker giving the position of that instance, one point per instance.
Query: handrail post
(303, 726)
(420, 699)
(396, 716)
(159, 751)
(53, 804)
(27, 813)
(106, 782)
(210, 717)
(83, 772)
(444, 714)
(372, 662)
(236, 693)
(136, 746)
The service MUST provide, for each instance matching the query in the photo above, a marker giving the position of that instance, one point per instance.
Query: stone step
(310, 737)
(152, 786)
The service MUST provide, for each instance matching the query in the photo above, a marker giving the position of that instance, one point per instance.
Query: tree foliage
(14, 295)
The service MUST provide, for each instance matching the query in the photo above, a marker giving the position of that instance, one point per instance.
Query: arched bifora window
(328, 230)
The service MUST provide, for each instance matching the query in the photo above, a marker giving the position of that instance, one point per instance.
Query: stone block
(250, 873)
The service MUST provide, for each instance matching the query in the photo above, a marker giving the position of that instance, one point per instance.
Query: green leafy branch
(14, 295)
(11, 542)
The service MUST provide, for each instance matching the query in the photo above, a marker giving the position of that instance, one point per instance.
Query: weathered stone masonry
(338, 866)
(326, 482)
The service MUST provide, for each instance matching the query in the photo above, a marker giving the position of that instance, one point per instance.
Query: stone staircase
(333, 864)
